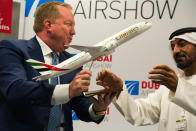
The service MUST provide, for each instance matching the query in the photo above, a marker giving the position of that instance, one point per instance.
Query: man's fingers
(160, 82)
(85, 72)
(160, 71)
(99, 83)
(159, 77)
(84, 88)
(107, 78)
(100, 75)
(113, 95)
(93, 99)
(80, 83)
(84, 77)
(101, 98)
(164, 71)
(164, 67)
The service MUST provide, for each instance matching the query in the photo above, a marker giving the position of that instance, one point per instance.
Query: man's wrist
(93, 115)
(100, 112)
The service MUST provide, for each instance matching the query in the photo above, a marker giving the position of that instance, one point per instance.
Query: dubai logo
(31, 5)
(132, 87)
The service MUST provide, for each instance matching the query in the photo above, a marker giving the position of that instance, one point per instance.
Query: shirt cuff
(93, 115)
(171, 95)
(60, 94)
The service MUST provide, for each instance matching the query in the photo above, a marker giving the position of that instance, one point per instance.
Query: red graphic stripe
(53, 67)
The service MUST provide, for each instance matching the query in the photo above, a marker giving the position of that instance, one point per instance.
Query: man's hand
(108, 79)
(102, 102)
(164, 75)
(80, 83)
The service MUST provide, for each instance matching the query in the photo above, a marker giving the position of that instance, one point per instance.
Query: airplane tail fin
(39, 66)
(42, 67)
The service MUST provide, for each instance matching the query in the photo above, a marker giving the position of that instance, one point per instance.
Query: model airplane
(88, 53)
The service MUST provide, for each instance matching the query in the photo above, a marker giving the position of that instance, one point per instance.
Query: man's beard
(182, 63)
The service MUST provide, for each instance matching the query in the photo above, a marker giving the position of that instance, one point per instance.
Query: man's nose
(73, 32)
(176, 49)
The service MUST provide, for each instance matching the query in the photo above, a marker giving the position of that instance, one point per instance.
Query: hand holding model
(80, 83)
(109, 80)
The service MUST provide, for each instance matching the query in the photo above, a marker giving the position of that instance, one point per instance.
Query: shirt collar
(44, 47)
(182, 75)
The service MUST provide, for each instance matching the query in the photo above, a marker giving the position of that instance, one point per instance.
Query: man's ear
(47, 24)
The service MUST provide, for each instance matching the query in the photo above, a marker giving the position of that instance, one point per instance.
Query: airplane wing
(88, 48)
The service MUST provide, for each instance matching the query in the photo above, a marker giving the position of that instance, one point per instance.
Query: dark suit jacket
(25, 104)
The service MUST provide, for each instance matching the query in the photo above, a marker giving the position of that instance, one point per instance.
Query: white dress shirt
(61, 91)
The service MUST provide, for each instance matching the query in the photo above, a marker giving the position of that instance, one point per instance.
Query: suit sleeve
(15, 85)
(142, 111)
(81, 106)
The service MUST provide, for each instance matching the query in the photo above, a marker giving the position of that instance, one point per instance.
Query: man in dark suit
(26, 104)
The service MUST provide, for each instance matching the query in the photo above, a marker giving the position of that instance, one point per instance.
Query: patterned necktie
(55, 111)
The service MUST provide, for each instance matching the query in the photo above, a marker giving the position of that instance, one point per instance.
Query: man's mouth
(70, 40)
(180, 59)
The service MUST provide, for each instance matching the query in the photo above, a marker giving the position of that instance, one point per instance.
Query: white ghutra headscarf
(190, 37)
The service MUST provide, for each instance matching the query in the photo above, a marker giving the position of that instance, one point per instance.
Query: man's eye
(68, 24)
(172, 46)
(182, 44)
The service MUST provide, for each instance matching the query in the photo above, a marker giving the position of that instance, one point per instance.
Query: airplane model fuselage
(90, 53)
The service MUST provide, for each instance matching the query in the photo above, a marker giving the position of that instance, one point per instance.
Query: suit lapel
(35, 51)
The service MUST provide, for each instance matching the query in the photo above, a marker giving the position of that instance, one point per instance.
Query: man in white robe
(173, 105)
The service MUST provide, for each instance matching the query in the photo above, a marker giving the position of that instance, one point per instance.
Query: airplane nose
(148, 24)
